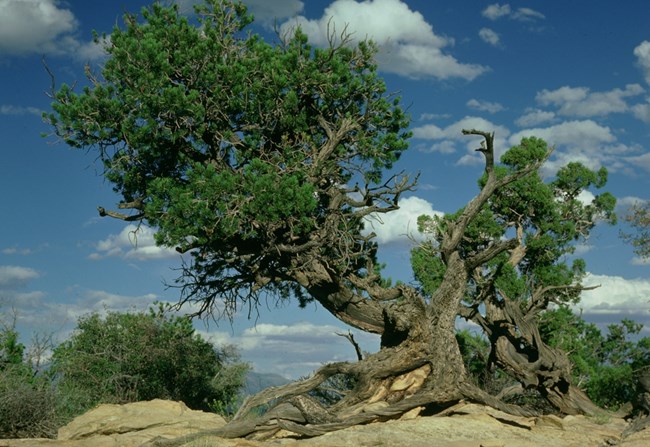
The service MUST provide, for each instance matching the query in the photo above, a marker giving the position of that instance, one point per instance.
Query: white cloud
(497, 11)
(642, 161)
(8, 109)
(132, 242)
(485, 106)
(400, 225)
(489, 36)
(616, 298)
(91, 51)
(453, 133)
(13, 276)
(642, 112)
(581, 102)
(642, 53)
(527, 14)
(16, 251)
(640, 261)
(408, 44)
(582, 141)
(293, 350)
(34, 26)
(534, 117)
(38, 313)
(442, 147)
(428, 132)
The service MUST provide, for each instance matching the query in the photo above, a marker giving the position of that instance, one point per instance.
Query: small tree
(542, 221)
(127, 357)
(605, 366)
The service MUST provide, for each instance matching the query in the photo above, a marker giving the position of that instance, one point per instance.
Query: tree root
(293, 410)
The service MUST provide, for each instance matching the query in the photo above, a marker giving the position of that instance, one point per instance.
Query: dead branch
(351, 339)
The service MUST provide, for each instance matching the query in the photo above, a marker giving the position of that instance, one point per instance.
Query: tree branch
(114, 214)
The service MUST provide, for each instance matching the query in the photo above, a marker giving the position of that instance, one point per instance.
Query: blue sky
(575, 73)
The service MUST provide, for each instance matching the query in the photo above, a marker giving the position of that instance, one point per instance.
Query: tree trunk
(518, 349)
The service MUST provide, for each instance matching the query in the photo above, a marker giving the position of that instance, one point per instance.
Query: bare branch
(351, 339)
(126, 217)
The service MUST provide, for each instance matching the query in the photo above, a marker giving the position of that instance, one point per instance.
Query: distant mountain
(256, 382)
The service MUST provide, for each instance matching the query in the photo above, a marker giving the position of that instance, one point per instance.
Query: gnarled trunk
(518, 349)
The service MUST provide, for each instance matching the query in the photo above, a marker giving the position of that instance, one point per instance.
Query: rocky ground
(464, 425)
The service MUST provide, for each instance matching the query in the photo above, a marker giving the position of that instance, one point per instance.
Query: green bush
(128, 357)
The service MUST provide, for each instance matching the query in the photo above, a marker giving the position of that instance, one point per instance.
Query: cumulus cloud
(34, 26)
(485, 106)
(133, 242)
(616, 298)
(293, 350)
(642, 161)
(402, 224)
(489, 36)
(37, 313)
(14, 276)
(496, 11)
(642, 112)
(581, 102)
(448, 137)
(408, 44)
(534, 117)
(642, 53)
(583, 141)
(42, 27)
(442, 147)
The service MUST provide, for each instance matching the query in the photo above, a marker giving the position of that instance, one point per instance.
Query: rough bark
(518, 349)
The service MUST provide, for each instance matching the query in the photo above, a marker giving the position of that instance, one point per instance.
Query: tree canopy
(263, 162)
(252, 157)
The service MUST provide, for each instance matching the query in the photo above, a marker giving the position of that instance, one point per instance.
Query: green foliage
(604, 366)
(11, 351)
(231, 146)
(639, 219)
(127, 357)
(475, 350)
(547, 218)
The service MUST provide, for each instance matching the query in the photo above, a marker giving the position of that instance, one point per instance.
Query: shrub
(27, 404)
(127, 357)
(27, 400)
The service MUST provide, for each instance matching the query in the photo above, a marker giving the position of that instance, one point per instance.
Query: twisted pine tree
(261, 162)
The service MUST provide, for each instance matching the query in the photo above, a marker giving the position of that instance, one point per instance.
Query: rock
(463, 425)
(162, 417)
(128, 425)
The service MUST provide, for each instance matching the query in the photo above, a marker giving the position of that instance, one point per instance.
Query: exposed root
(394, 396)
(477, 395)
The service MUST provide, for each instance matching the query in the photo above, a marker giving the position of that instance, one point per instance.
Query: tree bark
(518, 349)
